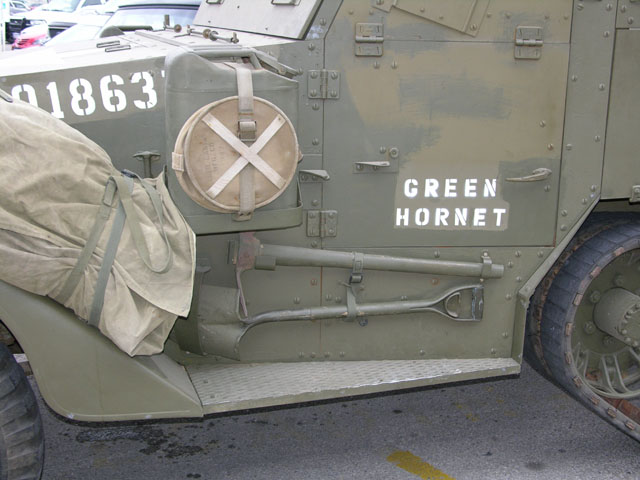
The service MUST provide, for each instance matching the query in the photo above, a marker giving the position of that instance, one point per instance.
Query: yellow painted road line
(412, 464)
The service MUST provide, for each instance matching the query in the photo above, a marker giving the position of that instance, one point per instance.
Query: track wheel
(21, 435)
(590, 324)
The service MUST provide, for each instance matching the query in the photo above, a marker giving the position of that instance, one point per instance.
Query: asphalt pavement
(514, 428)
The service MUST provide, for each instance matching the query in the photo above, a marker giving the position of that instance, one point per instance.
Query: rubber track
(21, 434)
(558, 311)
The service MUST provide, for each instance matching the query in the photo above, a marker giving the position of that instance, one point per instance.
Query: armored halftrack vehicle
(384, 194)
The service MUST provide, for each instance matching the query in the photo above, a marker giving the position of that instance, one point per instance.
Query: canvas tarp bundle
(56, 186)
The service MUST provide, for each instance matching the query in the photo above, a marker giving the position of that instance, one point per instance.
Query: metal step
(223, 388)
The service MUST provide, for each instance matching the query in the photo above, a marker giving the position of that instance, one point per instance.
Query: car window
(92, 2)
(61, 5)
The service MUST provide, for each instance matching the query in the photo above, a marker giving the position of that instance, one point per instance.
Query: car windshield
(62, 5)
(153, 17)
(75, 33)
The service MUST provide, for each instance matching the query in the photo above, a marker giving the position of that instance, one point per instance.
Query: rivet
(606, 34)
(358, 167)
(331, 231)
(296, 300)
(314, 281)
(564, 213)
(422, 352)
(518, 279)
(594, 188)
(540, 254)
(379, 2)
(327, 354)
(334, 75)
(623, 8)
(508, 296)
(404, 298)
(342, 354)
(422, 9)
(312, 354)
(485, 254)
(393, 152)
(333, 93)
(376, 64)
(609, 7)
(315, 141)
(441, 17)
(597, 138)
(300, 354)
(474, 27)
(580, 6)
(314, 244)
(584, 201)
(315, 106)
(351, 11)
(547, 16)
(601, 86)
(563, 227)
(338, 299)
(435, 281)
(313, 74)
(505, 334)
(507, 14)
(543, 124)
(313, 93)
(550, 146)
(518, 253)
(394, 64)
(547, 188)
(303, 177)
(489, 14)
(311, 46)
(315, 202)
(323, 21)
(574, 78)
(436, 254)
(371, 12)
(566, 17)
(630, 20)
(328, 296)
(312, 214)
(332, 214)
(493, 351)
(636, 190)
(382, 149)
(509, 264)
(569, 146)
(589, 328)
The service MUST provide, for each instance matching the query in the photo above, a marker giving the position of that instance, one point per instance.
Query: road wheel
(590, 322)
(21, 435)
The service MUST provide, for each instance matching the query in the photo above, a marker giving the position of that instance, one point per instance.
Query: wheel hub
(618, 314)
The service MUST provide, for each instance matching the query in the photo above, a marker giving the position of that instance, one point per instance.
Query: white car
(61, 13)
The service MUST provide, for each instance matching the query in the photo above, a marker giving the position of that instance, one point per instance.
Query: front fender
(83, 376)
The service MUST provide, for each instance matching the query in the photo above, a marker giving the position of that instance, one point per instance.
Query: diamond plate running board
(233, 387)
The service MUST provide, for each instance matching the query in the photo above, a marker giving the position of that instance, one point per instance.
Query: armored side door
(444, 121)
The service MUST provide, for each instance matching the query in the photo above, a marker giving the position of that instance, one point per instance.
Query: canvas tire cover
(207, 156)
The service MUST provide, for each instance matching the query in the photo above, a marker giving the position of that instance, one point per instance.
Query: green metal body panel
(470, 133)
(82, 376)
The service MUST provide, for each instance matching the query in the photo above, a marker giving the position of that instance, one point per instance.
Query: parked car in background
(32, 37)
(17, 6)
(131, 15)
(64, 13)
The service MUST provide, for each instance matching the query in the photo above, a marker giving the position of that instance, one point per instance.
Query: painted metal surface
(439, 138)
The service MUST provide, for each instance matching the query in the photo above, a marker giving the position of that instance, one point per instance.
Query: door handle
(537, 175)
(374, 165)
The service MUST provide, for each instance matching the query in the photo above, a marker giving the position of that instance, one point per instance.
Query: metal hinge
(322, 223)
(323, 84)
(369, 39)
(529, 43)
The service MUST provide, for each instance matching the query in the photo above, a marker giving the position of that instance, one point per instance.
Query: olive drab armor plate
(449, 122)
(374, 184)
